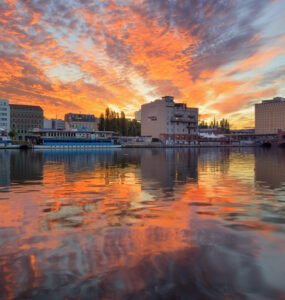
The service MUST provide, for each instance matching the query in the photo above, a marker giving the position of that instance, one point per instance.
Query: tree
(118, 123)
(203, 124)
(225, 125)
(107, 119)
(123, 124)
(12, 134)
(101, 126)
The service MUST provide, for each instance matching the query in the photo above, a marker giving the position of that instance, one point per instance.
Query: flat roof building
(270, 116)
(5, 115)
(53, 124)
(80, 122)
(24, 118)
(167, 120)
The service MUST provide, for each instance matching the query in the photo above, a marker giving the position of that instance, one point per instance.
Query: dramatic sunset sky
(82, 55)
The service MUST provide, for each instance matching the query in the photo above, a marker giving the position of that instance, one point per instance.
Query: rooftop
(79, 117)
(276, 99)
(26, 107)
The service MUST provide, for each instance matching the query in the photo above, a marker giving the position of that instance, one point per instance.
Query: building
(57, 124)
(270, 116)
(47, 123)
(24, 118)
(53, 124)
(80, 122)
(167, 120)
(5, 115)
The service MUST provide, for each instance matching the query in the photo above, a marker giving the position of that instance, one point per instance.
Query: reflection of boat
(72, 139)
(247, 143)
(281, 139)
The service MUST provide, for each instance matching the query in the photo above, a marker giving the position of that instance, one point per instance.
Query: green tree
(12, 134)
(203, 124)
(123, 124)
(107, 119)
(101, 126)
(225, 125)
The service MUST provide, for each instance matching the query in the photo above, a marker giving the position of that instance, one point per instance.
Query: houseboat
(71, 139)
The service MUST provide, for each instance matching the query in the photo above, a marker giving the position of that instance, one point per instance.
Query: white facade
(53, 124)
(5, 115)
(57, 124)
(165, 119)
(47, 123)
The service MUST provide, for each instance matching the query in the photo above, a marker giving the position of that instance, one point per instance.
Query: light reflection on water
(142, 224)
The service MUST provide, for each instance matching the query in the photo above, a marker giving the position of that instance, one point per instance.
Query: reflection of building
(5, 168)
(270, 167)
(5, 115)
(270, 116)
(24, 118)
(163, 118)
(26, 166)
(168, 167)
(80, 121)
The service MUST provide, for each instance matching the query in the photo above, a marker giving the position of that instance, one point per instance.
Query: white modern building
(167, 120)
(53, 124)
(5, 115)
(47, 123)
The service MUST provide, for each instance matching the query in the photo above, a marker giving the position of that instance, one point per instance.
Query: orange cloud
(86, 57)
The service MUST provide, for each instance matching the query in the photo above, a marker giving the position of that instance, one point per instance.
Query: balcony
(183, 120)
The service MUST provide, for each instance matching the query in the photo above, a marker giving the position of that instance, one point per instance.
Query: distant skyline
(83, 55)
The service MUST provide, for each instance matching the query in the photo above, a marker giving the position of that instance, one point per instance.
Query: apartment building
(270, 116)
(5, 115)
(24, 118)
(80, 122)
(167, 120)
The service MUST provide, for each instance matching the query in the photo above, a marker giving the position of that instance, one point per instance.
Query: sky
(81, 56)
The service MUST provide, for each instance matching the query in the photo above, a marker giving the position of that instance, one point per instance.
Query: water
(142, 224)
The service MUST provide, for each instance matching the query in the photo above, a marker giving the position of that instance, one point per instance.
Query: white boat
(71, 139)
(5, 141)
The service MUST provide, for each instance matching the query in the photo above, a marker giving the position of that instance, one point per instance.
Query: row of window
(27, 125)
(67, 134)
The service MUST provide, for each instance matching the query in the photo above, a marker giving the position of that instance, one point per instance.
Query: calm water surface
(142, 224)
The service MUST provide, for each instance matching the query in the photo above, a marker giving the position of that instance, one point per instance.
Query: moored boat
(5, 141)
(71, 139)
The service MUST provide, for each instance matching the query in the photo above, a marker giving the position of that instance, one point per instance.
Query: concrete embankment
(204, 145)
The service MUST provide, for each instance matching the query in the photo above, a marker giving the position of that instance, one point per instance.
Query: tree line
(117, 122)
(223, 124)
